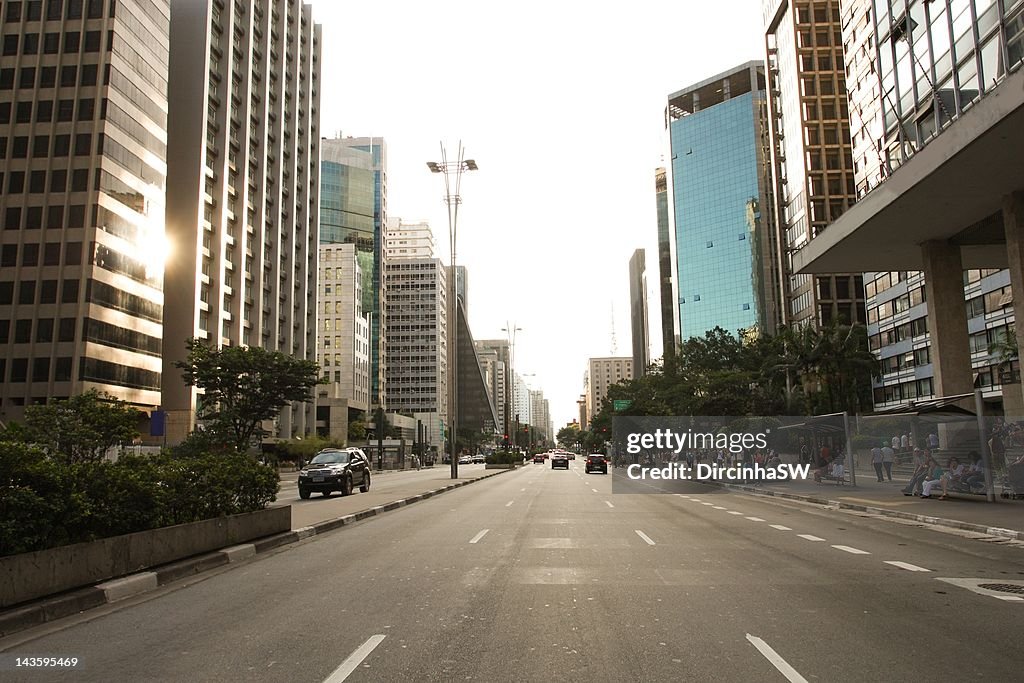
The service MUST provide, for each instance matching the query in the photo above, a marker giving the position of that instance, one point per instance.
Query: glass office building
(720, 202)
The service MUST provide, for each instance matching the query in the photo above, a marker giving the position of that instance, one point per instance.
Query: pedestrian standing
(876, 460)
(888, 456)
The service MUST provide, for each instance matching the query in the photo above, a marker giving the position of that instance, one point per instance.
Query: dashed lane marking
(354, 660)
(608, 503)
(791, 674)
(852, 551)
(644, 536)
(809, 537)
(479, 536)
(906, 565)
(780, 527)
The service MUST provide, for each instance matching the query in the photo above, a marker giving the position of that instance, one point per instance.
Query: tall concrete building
(721, 199)
(601, 374)
(416, 339)
(343, 341)
(937, 108)
(83, 103)
(811, 153)
(639, 329)
(243, 189)
(666, 257)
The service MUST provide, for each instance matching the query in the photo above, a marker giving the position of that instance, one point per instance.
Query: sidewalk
(1004, 517)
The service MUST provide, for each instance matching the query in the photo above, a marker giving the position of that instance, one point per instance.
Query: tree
(82, 428)
(244, 386)
(356, 430)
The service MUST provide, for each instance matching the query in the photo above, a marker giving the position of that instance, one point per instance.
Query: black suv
(596, 463)
(559, 460)
(335, 469)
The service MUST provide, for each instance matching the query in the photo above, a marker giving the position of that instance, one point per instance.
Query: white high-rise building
(243, 170)
(416, 334)
(408, 240)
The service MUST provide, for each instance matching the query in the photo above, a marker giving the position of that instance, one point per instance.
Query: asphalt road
(545, 575)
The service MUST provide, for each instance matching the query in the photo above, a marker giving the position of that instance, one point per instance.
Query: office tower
(666, 284)
(83, 101)
(243, 189)
(721, 202)
(811, 153)
(640, 334)
(416, 336)
(343, 343)
(353, 209)
(601, 374)
(937, 113)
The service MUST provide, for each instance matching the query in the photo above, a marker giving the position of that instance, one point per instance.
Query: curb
(1011, 534)
(121, 588)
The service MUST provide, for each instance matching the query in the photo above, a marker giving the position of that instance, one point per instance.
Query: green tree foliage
(82, 428)
(244, 386)
(799, 370)
(357, 430)
(568, 436)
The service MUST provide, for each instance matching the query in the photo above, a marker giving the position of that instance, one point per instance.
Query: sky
(561, 104)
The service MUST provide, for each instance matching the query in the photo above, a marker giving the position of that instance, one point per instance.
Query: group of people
(928, 474)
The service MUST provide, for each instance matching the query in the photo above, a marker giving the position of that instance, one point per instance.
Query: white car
(466, 460)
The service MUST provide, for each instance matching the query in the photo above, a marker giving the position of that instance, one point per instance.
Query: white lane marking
(509, 504)
(354, 660)
(780, 527)
(734, 512)
(712, 504)
(852, 551)
(718, 507)
(906, 565)
(644, 536)
(810, 538)
(521, 490)
(791, 674)
(754, 519)
(479, 536)
(608, 503)
(594, 490)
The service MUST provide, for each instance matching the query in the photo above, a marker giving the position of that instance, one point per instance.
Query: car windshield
(330, 457)
(595, 457)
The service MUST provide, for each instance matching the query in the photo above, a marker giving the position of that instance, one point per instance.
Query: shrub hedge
(503, 458)
(46, 503)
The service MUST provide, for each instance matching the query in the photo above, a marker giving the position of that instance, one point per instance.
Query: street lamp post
(452, 201)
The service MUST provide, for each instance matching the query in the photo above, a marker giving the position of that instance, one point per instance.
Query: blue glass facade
(718, 190)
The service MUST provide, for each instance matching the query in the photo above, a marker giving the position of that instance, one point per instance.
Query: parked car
(596, 463)
(335, 469)
(559, 460)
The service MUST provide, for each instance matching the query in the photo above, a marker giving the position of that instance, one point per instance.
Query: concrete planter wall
(499, 467)
(45, 572)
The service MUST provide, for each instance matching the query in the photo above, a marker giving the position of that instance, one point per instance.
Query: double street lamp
(454, 168)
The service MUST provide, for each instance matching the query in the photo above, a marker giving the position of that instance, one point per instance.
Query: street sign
(621, 404)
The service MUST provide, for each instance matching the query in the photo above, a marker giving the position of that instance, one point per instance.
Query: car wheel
(304, 494)
(346, 486)
(366, 483)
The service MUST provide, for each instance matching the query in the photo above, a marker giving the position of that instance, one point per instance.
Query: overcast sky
(561, 104)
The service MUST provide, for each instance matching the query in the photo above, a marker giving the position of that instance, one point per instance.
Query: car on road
(559, 460)
(335, 469)
(538, 459)
(479, 459)
(466, 460)
(596, 463)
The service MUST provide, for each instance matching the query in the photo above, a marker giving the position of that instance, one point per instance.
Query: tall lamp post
(452, 200)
